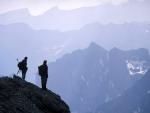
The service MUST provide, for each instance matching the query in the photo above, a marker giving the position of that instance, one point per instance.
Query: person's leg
(24, 74)
(45, 83)
(42, 82)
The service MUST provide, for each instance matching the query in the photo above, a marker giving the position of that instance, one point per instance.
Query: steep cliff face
(134, 100)
(18, 96)
(83, 75)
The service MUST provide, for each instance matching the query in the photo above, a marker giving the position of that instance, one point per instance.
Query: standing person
(43, 72)
(23, 67)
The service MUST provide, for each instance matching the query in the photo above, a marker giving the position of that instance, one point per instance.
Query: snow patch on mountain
(136, 67)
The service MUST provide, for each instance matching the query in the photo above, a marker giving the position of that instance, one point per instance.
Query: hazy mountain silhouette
(134, 100)
(90, 77)
(76, 19)
(15, 16)
(19, 96)
(19, 40)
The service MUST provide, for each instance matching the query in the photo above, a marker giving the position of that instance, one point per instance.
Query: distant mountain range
(19, 40)
(107, 73)
(93, 76)
(56, 19)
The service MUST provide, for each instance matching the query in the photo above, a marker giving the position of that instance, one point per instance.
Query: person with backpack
(22, 65)
(43, 72)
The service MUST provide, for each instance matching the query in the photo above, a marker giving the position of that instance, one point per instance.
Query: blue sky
(37, 7)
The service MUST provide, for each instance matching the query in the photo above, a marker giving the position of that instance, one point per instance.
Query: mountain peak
(115, 49)
(23, 11)
(55, 8)
(52, 10)
(18, 96)
(93, 44)
(95, 47)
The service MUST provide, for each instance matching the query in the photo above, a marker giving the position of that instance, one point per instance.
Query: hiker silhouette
(43, 72)
(22, 65)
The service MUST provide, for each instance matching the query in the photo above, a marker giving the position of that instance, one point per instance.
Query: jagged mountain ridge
(82, 76)
(53, 44)
(18, 96)
(77, 18)
(134, 100)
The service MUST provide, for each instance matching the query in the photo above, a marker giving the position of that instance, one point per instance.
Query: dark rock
(18, 96)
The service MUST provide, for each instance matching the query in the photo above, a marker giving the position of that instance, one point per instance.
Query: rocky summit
(18, 96)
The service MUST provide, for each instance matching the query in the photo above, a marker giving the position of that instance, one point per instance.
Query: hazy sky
(37, 7)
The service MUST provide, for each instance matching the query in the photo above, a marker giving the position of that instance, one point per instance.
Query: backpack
(20, 66)
(40, 70)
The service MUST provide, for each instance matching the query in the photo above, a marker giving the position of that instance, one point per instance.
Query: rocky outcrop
(18, 96)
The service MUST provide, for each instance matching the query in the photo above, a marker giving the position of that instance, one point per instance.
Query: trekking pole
(18, 70)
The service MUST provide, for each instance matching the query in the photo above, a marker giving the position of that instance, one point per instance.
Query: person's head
(25, 58)
(45, 62)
